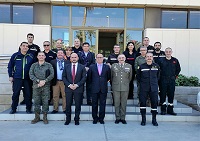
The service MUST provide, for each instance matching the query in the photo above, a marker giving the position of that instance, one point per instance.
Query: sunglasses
(45, 45)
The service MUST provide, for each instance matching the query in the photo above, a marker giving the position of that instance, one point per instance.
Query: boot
(45, 120)
(163, 109)
(170, 110)
(154, 122)
(36, 119)
(143, 114)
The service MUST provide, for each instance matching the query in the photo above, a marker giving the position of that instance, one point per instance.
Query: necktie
(99, 69)
(73, 73)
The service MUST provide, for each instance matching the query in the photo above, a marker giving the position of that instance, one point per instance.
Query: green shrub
(183, 80)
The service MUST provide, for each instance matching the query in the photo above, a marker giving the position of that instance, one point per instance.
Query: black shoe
(22, 102)
(67, 122)
(28, 111)
(143, 123)
(117, 121)
(102, 122)
(89, 103)
(95, 121)
(54, 111)
(123, 121)
(77, 122)
(163, 113)
(12, 111)
(64, 111)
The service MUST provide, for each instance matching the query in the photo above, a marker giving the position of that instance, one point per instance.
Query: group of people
(44, 75)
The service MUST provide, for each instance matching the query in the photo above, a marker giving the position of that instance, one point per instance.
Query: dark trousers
(17, 86)
(88, 91)
(167, 88)
(131, 88)
(78, 101)
(101, 99)
(143, 96)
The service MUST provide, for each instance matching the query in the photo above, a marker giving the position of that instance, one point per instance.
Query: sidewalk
(86, 131)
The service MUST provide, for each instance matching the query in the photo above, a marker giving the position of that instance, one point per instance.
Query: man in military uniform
(158, 54)
(170, 68)
(121, 75)
(147, 76)
(32, 47)
(41, 73)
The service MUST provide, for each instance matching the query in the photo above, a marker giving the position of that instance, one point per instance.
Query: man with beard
(158, 54)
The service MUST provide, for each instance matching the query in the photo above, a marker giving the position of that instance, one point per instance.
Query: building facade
(103, 23)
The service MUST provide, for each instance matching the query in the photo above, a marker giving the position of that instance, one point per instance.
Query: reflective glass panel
(60, 33)
(194, 19)
(174, 19)
(22, 14)
(97, 17)
(60, 15)
(135, 36)
(135, 18)
(5, 13)
(86, 36)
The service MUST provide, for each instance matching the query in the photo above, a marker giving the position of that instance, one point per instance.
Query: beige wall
(11, 35)
(185, 45)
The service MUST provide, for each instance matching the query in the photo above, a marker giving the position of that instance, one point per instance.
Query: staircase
(184, 113)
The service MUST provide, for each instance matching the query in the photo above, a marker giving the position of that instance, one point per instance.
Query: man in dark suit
(57, 83)
(98, 76)
(74, 77)
(87, 58)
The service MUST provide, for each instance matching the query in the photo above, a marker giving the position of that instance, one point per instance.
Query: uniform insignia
(138, 67)
(174, 62)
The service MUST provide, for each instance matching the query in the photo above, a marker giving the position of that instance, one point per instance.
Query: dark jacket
(99, 82)
(169, 68)
(54, 64)
(19, 65)
(86, 60)
(148, 76)
(80, 78)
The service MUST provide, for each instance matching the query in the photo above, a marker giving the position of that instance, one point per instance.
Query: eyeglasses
(45, 45)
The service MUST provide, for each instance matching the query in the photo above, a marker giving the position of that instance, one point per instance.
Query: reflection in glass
(97, 17)
(135, 36)
(135, 18)
(194, 18)
(22, 14)
(60, 15)
(86, 36)
(5, 13)
(60, 33)
(174, 19)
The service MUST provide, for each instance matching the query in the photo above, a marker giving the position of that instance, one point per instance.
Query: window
(97, 17)
(135, 36)
(174, 19)
(60, 33)
(194, 19)
(60, 16)
(5, 13)
(22, 14)
(135, 18)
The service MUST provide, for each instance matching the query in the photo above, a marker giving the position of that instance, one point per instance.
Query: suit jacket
(99, 82)
(90, 58)
(54, 64)
(80, 78)
(121, 76)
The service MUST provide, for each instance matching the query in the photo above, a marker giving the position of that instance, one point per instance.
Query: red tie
(73, 73)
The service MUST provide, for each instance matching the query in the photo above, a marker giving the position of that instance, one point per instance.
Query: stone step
(110, 116)
(179, 108)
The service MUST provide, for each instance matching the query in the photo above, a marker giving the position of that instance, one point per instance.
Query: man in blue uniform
(18, 71)
(170, 68)
(147, 76)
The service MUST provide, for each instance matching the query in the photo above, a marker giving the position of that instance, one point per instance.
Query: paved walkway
(86, 131)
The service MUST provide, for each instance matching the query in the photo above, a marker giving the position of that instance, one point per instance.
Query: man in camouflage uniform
(41, 73)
